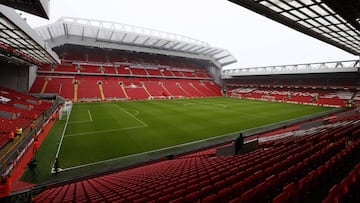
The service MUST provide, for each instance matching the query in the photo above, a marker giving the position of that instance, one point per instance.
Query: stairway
(44, 87)
(101, 92)
(124, 91)
(166, 90)
(147, 92)
(179, 85)
(76, 87)
(196, 89)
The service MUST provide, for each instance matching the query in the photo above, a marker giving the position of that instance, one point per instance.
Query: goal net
(65, 111)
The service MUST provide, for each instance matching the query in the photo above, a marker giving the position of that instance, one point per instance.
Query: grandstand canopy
(336, 22)
(19, 42)
(350, 66)
(105, 34)
(35, 7)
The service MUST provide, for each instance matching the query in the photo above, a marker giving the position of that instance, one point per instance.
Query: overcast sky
(252, 39)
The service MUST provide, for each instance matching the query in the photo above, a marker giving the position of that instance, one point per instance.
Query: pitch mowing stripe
(123, 110)
(105, 131)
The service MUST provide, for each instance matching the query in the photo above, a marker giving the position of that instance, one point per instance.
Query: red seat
(210, 199)
(304, 187)
(155, 195)
(283, 178)
(293, 193)
(249, 196)
(281, 198)
(225, 194)
(179, 193)
(219, 185)
(141, 200)
(205, 191)
(178, 200)
(236, 200)
(261, 191)
(165, 199)
(192, 197)
(229, 181)
(238, 188)
(272, 185)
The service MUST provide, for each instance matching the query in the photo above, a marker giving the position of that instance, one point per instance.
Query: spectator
(17, 131)
(35, 146)
(11, 136)
(31, 126)
(20, 131)
(8, 185)
(53, 116)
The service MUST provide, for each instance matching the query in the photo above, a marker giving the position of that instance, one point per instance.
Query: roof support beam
(222, 57)
(216, 52)
(122, 39)
(210, 51)
(154, 44)
(191, 47)
(111, 34)
(205, 50)
(183, 46)
(66, 30)
(166, 43)
(97, 34)
(147, 39)
(135, 38)
(198, 49)
(50, 34)
(177, 43)
(82, 33)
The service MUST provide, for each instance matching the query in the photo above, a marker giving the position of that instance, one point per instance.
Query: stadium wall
(216, 73)
(32, 75)
(15, 77)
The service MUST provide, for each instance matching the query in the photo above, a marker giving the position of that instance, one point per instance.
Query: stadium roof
(336, 22)
(106, 34)
(352, 66)
(35, 7)
(18, 41)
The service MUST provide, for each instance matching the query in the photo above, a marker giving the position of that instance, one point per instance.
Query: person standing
(35, 146)
(11, 136)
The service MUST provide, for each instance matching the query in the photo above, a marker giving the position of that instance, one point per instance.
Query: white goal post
(65, 110)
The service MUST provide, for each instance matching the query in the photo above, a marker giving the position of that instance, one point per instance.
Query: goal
(65, 111)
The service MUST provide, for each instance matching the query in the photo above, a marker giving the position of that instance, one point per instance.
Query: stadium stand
(18, 110)
(337, 98)
(112, 89)
(140, 77)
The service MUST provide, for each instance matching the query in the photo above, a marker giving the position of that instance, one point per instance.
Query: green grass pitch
(101, 131)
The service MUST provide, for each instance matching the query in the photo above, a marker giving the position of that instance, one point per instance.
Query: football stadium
(101, 111)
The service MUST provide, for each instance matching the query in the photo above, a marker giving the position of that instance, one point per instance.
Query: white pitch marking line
(80, 121)
(104, 131)
(90, 115)
(190, 103)
(142, 122)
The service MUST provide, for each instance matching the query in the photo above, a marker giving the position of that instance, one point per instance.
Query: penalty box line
(123, 110)
(105, 131)
(143, 125)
